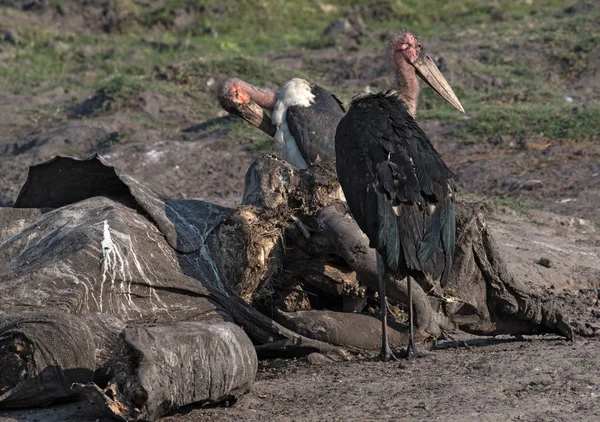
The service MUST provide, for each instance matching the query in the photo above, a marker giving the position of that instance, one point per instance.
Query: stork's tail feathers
(409, 242)
(437, 247)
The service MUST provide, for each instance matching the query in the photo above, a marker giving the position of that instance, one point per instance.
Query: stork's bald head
(409, 58)
(404, 46)
(248, 102)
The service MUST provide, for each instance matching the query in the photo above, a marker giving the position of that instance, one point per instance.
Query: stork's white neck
(295, 92)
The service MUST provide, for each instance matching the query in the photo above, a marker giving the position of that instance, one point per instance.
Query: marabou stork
(397, 187)
(305, 117)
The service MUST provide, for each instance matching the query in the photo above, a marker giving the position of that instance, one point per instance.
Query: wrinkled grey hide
(87, 261)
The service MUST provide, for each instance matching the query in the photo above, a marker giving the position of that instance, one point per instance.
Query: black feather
(390, 172)
(313, 127)
(387, 236)
(431, 237)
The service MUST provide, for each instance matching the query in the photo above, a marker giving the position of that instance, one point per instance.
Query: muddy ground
(531, 379)
(536, 379)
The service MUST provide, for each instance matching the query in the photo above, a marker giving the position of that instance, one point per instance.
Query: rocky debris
(586, 329)
(495, 140)
(580, 7)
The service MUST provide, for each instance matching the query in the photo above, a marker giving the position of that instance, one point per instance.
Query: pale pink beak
(429, 72)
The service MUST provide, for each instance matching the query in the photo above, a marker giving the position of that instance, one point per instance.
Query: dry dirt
(536, 379)
(531, 379)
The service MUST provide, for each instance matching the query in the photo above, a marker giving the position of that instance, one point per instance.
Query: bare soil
(532, 379)
(535, 379)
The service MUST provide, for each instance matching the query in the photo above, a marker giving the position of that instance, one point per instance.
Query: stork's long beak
(430, 73)
(239, 103)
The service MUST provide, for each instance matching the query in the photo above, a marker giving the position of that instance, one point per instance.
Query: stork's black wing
(398, 189)
(313, 127)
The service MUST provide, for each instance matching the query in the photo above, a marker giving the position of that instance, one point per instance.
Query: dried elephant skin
(41, 355)
(89, 260)
(212, 362)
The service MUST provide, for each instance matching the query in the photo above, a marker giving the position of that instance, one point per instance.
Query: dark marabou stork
(397, 187)
(305, 117)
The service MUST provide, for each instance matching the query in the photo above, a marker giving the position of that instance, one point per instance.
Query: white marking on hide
(208, 259)
(107, 247)
(115, 264)
(138, 265)
(173, 213)
(295, 92)
(236, 351)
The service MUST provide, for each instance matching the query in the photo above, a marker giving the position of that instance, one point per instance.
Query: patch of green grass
(257, 70)
(493, 204)
(146, 120)
(432, 17)
(235, 128)
(25, 70)
(517, 81)
(264, 145)
(518, 43)
(44, 115)
(526, 91)
(121, 87)
(251, 26)
(48, 60)
(549, 120)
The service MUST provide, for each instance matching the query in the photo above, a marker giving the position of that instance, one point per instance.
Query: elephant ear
(65, 180)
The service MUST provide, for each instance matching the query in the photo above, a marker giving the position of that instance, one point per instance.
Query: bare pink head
(404, 47)
(409, 59)
(236, 91)
(248, 102)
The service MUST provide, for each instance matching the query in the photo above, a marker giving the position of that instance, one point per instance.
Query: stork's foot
(411, 351)
(386, 355)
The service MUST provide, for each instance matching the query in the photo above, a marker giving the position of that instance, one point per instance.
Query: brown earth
(532, 379)
(536, 379)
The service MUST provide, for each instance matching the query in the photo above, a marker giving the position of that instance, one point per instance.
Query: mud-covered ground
(166, 142)
(536, 379)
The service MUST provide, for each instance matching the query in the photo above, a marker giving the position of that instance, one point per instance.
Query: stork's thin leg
(411, 328)
(386, 352)
(411, 349)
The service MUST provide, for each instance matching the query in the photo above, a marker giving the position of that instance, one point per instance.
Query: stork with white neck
(397, 187)
(303, 117)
